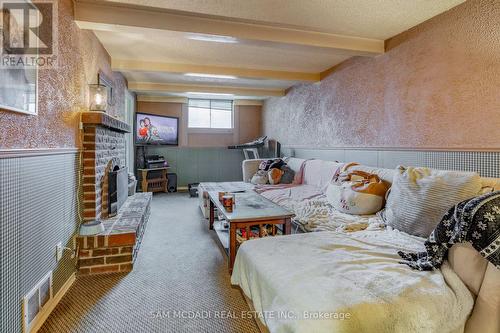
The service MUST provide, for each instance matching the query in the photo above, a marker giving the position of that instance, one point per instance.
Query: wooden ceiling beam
(149, 87)
(99, 15)
(161, 99)
(147, 66)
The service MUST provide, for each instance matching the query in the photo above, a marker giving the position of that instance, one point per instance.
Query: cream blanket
(319, 215)
(312, 210)
(339, 282)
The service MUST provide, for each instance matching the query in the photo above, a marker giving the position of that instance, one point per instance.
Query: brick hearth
(115, 249)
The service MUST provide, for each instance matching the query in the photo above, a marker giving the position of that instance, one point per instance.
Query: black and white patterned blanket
(476, 221)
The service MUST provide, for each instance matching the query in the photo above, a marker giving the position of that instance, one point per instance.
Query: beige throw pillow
(419, 197)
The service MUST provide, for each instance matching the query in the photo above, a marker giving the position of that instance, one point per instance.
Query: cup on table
(227, 202)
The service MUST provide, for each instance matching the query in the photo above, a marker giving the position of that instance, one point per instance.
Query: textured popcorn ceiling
(375, 19)
(436, 86)
(174, 47)
(379, 19)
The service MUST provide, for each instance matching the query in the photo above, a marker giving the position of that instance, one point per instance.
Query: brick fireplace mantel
(105, 120)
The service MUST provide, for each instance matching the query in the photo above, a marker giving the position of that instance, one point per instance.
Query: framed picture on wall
(19, 90)
(18, 77)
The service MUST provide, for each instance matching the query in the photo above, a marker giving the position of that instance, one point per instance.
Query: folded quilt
(476, 221)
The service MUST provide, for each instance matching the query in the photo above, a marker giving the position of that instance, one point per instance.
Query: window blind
(211, 104)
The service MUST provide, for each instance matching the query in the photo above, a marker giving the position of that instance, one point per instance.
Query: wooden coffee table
(250, 210)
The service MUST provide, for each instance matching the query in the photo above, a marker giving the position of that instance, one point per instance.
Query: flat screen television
(152, 129)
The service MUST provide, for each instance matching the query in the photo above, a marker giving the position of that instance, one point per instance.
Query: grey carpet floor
(180, 271)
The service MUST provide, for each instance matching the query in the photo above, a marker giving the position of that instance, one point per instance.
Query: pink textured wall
(63, 91)
(250, 122)
(437, 86)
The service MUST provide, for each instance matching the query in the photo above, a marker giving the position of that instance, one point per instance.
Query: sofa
(355, 272)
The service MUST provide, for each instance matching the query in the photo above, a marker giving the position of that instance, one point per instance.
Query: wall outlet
(59, 251)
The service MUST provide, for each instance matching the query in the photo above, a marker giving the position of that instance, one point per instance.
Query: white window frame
(210, 129)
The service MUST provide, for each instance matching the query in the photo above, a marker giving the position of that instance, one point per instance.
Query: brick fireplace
(105, 198)
(103, 151)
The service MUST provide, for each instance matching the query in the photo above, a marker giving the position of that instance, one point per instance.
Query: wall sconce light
(98, 97)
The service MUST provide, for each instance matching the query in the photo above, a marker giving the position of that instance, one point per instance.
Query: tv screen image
(156, 130)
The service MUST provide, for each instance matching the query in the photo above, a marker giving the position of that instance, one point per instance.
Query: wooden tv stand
(154, 184)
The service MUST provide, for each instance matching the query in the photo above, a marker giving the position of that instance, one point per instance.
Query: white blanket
(312, 210)
(319, 215)
(294, 280)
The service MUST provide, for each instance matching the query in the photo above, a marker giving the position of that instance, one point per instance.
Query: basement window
(213, 114)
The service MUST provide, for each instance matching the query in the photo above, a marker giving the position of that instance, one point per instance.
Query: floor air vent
(35, 301)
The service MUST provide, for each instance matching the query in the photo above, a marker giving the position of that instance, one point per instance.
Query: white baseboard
(51, 304)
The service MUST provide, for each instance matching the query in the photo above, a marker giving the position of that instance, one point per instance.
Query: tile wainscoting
(486, 163)
(208, 164)
(39, 208)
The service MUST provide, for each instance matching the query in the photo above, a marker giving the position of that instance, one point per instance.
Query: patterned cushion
(476, 221)
(420, 197)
